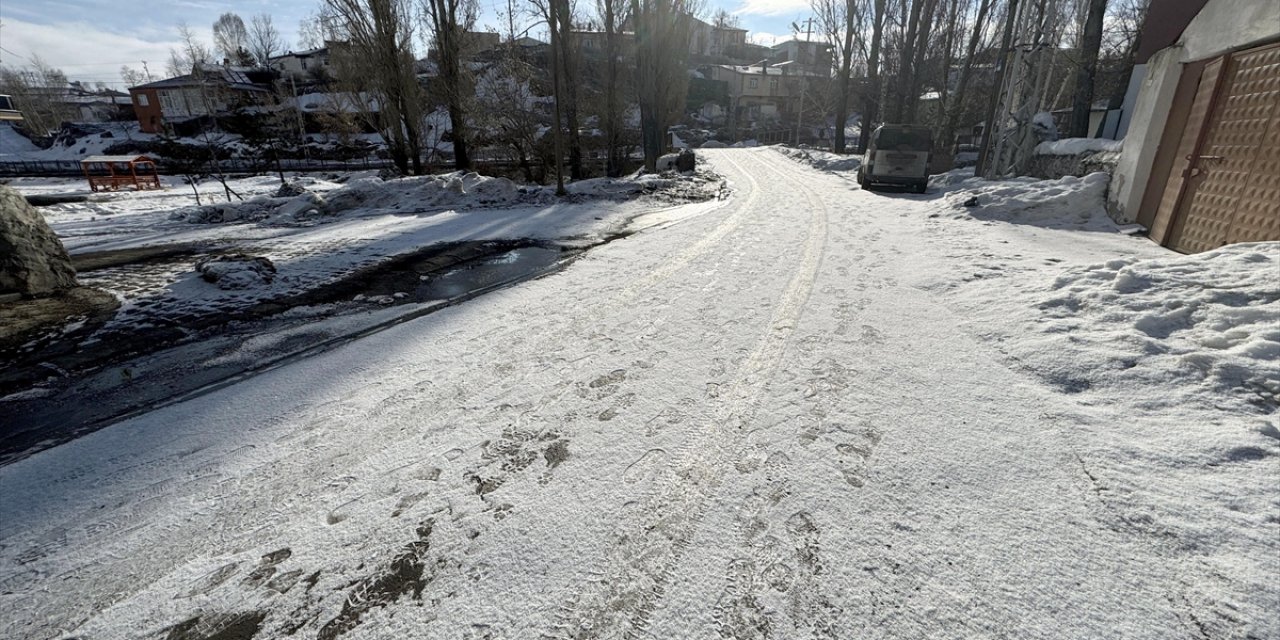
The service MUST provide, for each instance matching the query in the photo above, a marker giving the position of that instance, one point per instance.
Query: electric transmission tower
(1032, 32)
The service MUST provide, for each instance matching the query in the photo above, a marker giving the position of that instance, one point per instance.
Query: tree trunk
(613, 151)
(553, 27)
(846, 68)
(569, 65)
(1091, 41)
(871, 101)
(955, 105)
(911, 99)
(902, 86)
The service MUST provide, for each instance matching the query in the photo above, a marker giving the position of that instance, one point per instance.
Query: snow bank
(457, 191)
(13, 143)
(1066, 202)
(1203, 326)
(1077, 146)
(824, 160)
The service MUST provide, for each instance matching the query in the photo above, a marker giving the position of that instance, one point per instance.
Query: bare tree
(722, 19)
(231, 38)
(264, 39)
(662, 36)
(841, 22)
(906, 95)
(132, 77)
(376, 66)
(613, 15)
(449, 21)
(874, 89)
(569, 56)
(36, 91)
(1090, 43)
(184, 60)
(507, 103)
(956, 102)
(315, 28)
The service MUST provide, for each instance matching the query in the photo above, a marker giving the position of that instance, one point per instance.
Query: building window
(753, 84)
(142, 99)
(773, 84)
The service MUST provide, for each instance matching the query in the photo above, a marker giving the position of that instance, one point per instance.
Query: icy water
(486, 274)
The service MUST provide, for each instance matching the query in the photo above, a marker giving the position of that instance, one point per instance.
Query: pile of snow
(1067, 202)
(13, 143)
(1043, 126)
(457, 191)
(824, 160)
(449, 190)
(1203, 326)
(948, 179)
(275, 210)
(236, 271)
(1077, 146)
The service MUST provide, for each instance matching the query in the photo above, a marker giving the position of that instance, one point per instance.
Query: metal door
(1228, 189)
(1188, 149)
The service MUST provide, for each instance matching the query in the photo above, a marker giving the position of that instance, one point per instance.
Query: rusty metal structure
(111, 173)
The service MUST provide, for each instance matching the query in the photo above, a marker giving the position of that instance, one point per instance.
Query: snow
(806, 410)
(824, 160)
(1077, 146)
(16, 148)
(1065, 202)
(1204, 323)
(13, 144)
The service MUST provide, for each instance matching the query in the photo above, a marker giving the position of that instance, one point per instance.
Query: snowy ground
(328, 232)
(806, 411)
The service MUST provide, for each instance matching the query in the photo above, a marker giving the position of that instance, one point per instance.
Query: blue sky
(91, 39)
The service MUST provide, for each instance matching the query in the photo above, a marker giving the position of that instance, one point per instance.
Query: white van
(898, 154)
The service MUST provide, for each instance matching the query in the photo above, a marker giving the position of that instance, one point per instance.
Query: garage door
(1225, 187)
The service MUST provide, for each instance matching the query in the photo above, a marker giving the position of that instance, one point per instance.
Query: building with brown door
(1200, 166)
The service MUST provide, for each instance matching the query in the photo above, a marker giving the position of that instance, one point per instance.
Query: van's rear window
(898, 138)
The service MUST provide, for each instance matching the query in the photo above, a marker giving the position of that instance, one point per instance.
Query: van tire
(921, 187)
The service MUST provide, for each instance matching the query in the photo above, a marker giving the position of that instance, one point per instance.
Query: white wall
(1226, 25)
(1222, 26)
(1146, 126)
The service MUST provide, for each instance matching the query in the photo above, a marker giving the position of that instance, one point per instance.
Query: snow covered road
(771, 420)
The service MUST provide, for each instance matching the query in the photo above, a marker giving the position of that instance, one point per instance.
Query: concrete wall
(1146, 126)
(1227, 25)
(1222, 26)
(1053, 167)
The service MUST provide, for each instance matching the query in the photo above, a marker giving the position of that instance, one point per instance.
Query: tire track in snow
(619, 598)
(662, 272)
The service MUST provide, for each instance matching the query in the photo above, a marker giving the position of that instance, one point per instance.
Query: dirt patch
(215, 626)
(406, 575)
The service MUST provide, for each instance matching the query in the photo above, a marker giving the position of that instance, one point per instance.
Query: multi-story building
(810, 57)
(763, 92)
(210, 89)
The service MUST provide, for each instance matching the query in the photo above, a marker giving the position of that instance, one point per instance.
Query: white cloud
(773, 7)
(84, 51)
(768, 39)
